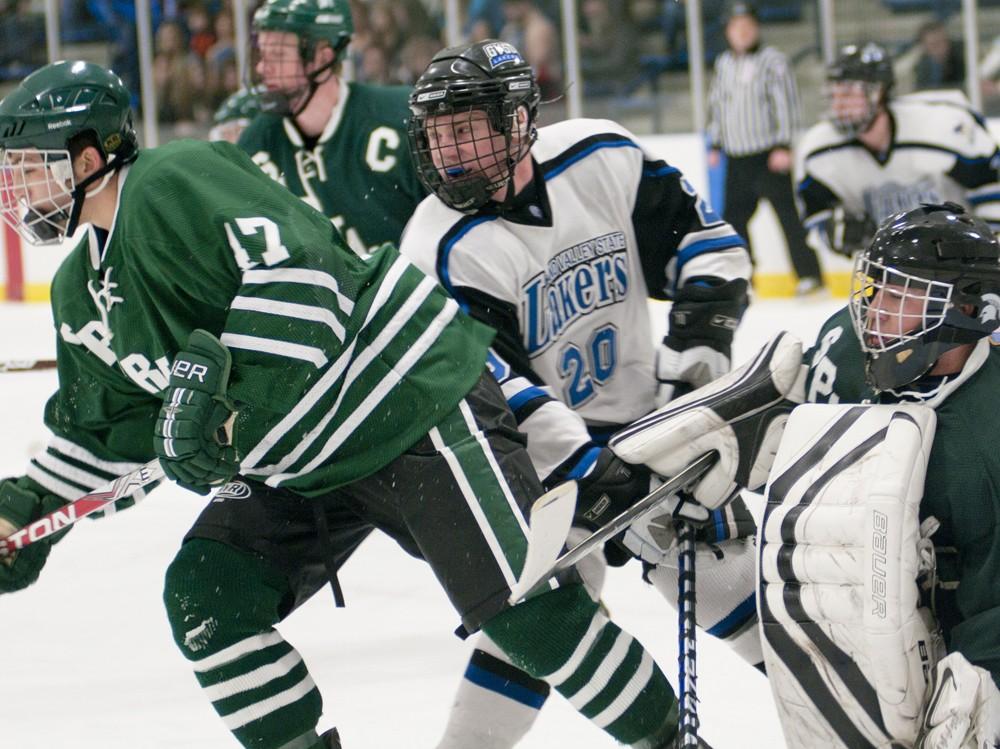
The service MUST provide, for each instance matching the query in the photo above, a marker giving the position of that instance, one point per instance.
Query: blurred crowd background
(633, 54)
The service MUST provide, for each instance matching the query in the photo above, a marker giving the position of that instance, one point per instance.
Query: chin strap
(114, 164)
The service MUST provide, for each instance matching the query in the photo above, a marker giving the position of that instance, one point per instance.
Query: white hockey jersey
(565, 273)
(940, 151)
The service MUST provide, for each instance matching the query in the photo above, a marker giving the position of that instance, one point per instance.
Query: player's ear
(88, 161)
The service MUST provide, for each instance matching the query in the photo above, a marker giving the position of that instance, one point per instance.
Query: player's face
(849, 101)
(898, 309)
(464, 144)
(279, 64)
(35, 189)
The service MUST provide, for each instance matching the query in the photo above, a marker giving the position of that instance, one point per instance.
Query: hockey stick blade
(26, 365)
(88, 504)
(549, 541)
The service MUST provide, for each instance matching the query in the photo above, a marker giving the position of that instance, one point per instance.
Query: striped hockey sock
(604, 672)
(222, 606)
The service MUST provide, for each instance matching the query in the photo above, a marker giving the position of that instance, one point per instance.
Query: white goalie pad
(740, 416)
(848, 649)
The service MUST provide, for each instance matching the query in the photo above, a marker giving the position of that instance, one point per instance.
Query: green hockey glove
(191, 436)
(18, 507)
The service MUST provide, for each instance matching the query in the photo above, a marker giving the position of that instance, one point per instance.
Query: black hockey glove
(18, 507)
(847, 234)
(698, 346)
(190, 436)
(608, 489)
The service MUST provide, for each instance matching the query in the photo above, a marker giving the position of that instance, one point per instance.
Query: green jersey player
(340, 146)
(927, 301)
(216, 321)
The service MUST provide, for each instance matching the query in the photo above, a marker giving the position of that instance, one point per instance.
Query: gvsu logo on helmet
(500, 52)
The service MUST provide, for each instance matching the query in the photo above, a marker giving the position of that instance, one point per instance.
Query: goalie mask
(929, 282)
(857, 87)
(472, 120)
(46, 122)
(289, 36)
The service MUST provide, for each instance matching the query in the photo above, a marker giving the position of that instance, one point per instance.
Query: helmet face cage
(465, 154)
(280, 73)
(852, 105)
(891, 308)
(36, 193)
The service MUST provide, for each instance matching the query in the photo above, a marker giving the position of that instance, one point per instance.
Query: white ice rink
(88, 661)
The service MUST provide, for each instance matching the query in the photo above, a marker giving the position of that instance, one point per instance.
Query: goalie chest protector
(847, 647)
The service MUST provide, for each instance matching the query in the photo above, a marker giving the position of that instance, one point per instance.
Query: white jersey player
(875, 156)
(557, 238)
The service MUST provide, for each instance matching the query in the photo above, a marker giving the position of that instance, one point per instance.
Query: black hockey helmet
(488, 77)
(929, 282)
(871, 66)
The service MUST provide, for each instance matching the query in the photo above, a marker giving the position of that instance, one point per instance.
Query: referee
(753, 115)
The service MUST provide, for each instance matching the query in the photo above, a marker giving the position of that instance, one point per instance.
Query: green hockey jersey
(962, 487)
(358, 173)
(340, 363)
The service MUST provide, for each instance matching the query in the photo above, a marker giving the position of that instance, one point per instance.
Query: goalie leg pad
(741, 416)
(845, 644)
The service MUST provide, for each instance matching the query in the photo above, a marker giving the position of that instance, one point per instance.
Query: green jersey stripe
(378, 393)
(475, 507)
(73, 450)
(291, 309)
(311, 354)
(69, 472)
(268, 706)
(355, 369)
(53, 484)
(238, 650)
(258, 677)
(300, 276)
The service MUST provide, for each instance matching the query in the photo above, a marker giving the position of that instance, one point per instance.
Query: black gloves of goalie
(604, 491)
(18, 507)
(698, 346)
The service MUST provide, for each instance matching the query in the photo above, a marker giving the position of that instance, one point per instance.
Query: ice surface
(88, 661)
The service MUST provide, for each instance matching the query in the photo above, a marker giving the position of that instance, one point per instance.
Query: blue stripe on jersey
(507, 688)
(563, 166)
(518, 400)
(720, 526)
(706, 245)
(443, 272)
(660, 171)
(985, 198)
(736, 618)
(584, 464)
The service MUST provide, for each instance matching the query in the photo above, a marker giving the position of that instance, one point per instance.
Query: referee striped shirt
(753, 102)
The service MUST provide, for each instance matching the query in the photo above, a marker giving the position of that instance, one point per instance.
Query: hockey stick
(26, 365)
(88, 504)
(686, 634)
(552, 515)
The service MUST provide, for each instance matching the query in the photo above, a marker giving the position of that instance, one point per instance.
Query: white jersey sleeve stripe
(289, 309)
(279, 348)
(74, 451)
(301, 276)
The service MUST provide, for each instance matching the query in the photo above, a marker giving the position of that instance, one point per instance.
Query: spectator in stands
(22, 38)
(608, 47)
(674, 22)
(118, 17)
(942, 61)
(753, 117)
(416, 57)
(485, 19)
(535, 35)
(201, 35)
(179, 78)
(221, 74)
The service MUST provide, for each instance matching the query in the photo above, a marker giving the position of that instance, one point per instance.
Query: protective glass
(890, 308)
(36, 193)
